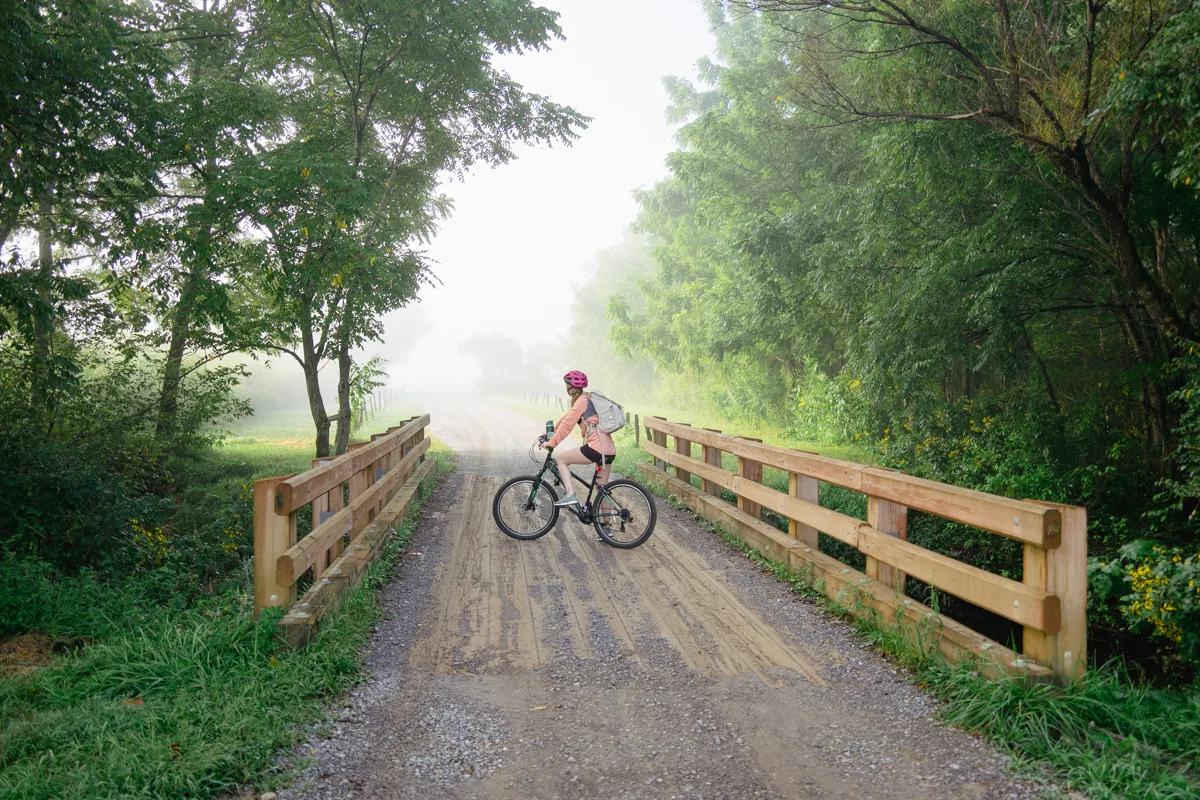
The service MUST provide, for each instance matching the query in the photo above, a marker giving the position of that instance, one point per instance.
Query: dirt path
(563, 668)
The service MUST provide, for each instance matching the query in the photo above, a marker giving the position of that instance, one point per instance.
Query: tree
(384, 97)
(1047, 76)
(78, 131)
(220, 107)
(616, 273)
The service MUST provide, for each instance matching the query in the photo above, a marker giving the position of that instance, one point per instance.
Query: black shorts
(594, 457)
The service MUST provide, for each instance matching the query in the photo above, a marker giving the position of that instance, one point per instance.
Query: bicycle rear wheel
(523, 514)
(624, 515)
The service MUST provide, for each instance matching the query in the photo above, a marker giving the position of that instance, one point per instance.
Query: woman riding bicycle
(598, 447)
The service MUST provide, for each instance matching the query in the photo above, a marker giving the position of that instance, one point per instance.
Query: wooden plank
(840, 526)
(808, 490)
(1026, 522)
(348, 522)
(1009, 598)
(684, 447)
(325, 595)
(273, 535)
(711, 455)
(830, 470)
(749, 470)
(300, 489)
(1016, 519)
(933, 633)
(1062, 572)
(892, 519)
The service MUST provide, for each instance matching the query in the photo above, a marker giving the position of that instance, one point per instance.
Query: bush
(73, 504)
(1159, 590)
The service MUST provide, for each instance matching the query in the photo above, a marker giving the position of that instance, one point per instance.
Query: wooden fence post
(361, 480)
(683, 447)
(711, 455)
(751, 470)
(322, 508)
(892, 519)
(637, 431)
(660, 439)
(1061, 572)
(416, 439)
(273, 535)
(808, 489)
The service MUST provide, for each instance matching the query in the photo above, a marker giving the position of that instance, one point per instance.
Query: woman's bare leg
(565, 460)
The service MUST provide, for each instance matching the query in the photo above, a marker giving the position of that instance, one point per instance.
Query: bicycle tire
(508, 526)
(650, 510)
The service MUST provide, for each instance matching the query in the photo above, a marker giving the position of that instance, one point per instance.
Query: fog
(522, 236)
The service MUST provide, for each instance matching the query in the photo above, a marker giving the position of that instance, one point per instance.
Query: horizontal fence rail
(355, 499)
(1049, 602)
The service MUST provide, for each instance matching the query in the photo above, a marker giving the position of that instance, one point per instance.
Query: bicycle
(623, 515)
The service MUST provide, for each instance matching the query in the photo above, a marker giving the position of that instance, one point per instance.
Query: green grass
(1106, 736)
(731, 426)
(174, 700)
(294, 427)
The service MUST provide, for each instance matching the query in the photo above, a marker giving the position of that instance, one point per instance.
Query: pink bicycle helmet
(576, 378)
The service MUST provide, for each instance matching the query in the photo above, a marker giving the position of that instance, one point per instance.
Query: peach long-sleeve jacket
(593, 437)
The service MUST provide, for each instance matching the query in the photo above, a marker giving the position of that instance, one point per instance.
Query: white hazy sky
(522, 234)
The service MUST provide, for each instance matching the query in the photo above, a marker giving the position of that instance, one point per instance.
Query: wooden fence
(1049, 603)
(355, 500)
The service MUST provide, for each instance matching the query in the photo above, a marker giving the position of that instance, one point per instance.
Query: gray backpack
(612, 416)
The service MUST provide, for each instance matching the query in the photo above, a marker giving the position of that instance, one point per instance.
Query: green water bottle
(549, 428)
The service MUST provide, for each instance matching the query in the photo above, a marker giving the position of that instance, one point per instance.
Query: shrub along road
(565, 668)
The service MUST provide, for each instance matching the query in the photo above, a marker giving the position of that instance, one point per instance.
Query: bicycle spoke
(624, 514)
(523, 514)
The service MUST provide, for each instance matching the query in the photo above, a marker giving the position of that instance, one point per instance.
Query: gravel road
(563, 668)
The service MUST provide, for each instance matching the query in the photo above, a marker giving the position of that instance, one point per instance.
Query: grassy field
(187, 698)
(735, 427)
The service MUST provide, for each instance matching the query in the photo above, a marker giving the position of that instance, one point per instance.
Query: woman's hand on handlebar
(542, 443)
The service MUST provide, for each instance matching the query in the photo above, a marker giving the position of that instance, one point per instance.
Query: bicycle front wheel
(523, 513)
(624, 514)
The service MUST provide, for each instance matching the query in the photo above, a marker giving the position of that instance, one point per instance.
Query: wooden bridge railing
(353, 499)
(1049, 603)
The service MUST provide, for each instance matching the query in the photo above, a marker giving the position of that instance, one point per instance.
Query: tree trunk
(344, 413)
(316, 404)
(181, 321)
(1152, 295)
(181, 329)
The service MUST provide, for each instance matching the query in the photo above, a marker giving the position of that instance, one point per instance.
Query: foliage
(1183, 489)
(182, 702)
(365, 379)
(1159, 589)
(383, 98)
(877, 231)
(185, 694)
(613, 279)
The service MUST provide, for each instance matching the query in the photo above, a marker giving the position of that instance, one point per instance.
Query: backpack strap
(588, 427)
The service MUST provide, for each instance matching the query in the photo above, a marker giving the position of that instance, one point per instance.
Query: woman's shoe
(569, 500)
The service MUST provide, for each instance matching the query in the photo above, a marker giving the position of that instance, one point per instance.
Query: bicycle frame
(584, 510)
